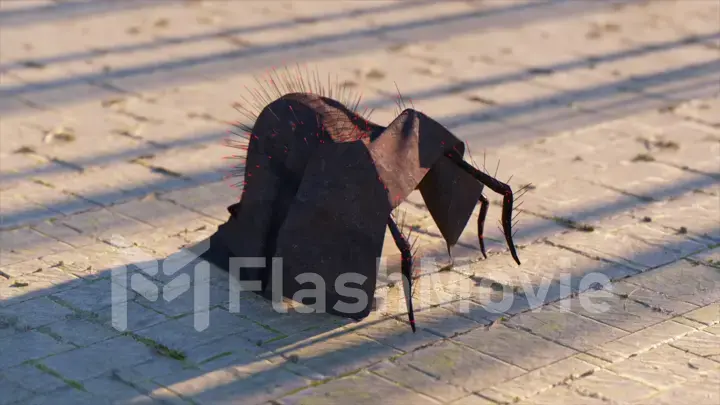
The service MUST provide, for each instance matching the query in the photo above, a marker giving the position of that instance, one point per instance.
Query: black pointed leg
(498, 187)
(484, 205)
(406, 268)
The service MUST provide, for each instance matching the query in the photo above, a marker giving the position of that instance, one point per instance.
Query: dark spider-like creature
(320, 183)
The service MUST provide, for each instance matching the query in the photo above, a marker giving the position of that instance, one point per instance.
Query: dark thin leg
(406, 267)
(500, 188)
(484, 205)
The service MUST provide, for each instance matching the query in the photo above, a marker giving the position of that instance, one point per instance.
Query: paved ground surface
(112, 117)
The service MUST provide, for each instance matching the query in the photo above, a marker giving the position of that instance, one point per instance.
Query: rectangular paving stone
(67, 395)
(12, 392)
(337, 355)
(566, 328)
(81, 332)
(252, 389)
(29, 345)
(460, 366)
(92, 361)
(616, 311)
(514, 346)
(472, 400)
(683, 280)
(24, 244)
(664, 367)
(417, 381)
(539, 380)
(161, 213)
(158, 366)
(53, 198)
(93, 296)
(700, 343)
(181, 334)
(63, 233)
(708, 315)
(693, 211)
(562, 395)
(639, 247)
(442, 322)
(20, 268)
(38, 284)
(36, 312)
(30, 377)
(354, 389)
(710, 257)
(656, 301)
(639, 341)
(103, 224)
(394, 333)
(695, 392)
(115, 391)
(235, 348)
(612, 386)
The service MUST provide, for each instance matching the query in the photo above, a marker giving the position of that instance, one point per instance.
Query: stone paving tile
(418, 381)
(37, 284)
(81, 332)
(12, 392)
(472, 400)
(693, 212)
(354, 389)
(708, 315)
(161, 214)
(683, 280)
(102, 224)
(696, 392)
(92, 361)
(701, 110)
(653, 300)
(539, 380)
(67, 395)
(640, 341)
(250, 383)
(24, 244)
(460, 366)
(710, 257)
(35, 313)
(612, 386)
(93, 296)
(515, 346)
(562, 394)
(616, 311)
(641, 246)
(566, 328)
(115, 391)
(665, 367)
(394, 333)
(442, 322)
(174, 333)
(336, 355)
(32, 378)
(158, 366)
(64, 233)
(29, 345)
(700, 343)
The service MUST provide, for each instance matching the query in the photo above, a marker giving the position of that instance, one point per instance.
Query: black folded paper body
(320, 185)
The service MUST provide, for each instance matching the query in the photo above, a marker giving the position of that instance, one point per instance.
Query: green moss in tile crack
(72, 383)
(159, 348)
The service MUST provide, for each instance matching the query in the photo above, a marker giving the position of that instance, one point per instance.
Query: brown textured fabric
(321, 182)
